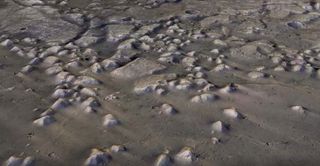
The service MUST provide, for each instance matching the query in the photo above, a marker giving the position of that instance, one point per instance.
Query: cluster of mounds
(219, 75)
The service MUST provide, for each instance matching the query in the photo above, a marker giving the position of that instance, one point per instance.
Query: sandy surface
(151, 82)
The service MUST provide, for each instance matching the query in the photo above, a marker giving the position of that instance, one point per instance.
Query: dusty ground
(159, 82)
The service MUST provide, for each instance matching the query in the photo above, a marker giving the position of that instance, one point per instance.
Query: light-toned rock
(28, 161)
(88, 92)
(89, 110)
(98, 158)
(73, 65)
(184, 84)
(163, 160)
(118, 148)
(90, 52)
(203, 98)
(119, 32)
(222, 67)
(207, 88)
(31, 2)
(88, 40)
(124, 56)
(109, 64)
(219, 127)
(298, 109)
(96, 68)
(145, 47)
(150, 84)
(90, 101)
(189, 61)
(50, 60)
(146, 39)
(48, 112)
(54, 70)
(185, 156)
(61, 93)
(15, 49)
(138, 68)
(230, 88)
(110, 121)
(35, 61)
(213, 21)
(17, 161)
(53, 50)
(76, 18)
(63, 53)
(200, 82)
(215, 140)
(145, 30)
(220, 43)
(27, 69)
(256, 75)
(60, 104)
(61, 77)
(161, 91)
(167, 109)
(86, 81)
(232, 113)
(14, 161)
(7, 43)
(128, 44)
(44, 121)
(279, 68)
(247, 52)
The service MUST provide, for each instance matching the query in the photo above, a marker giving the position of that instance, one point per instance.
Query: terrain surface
(159, 82)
